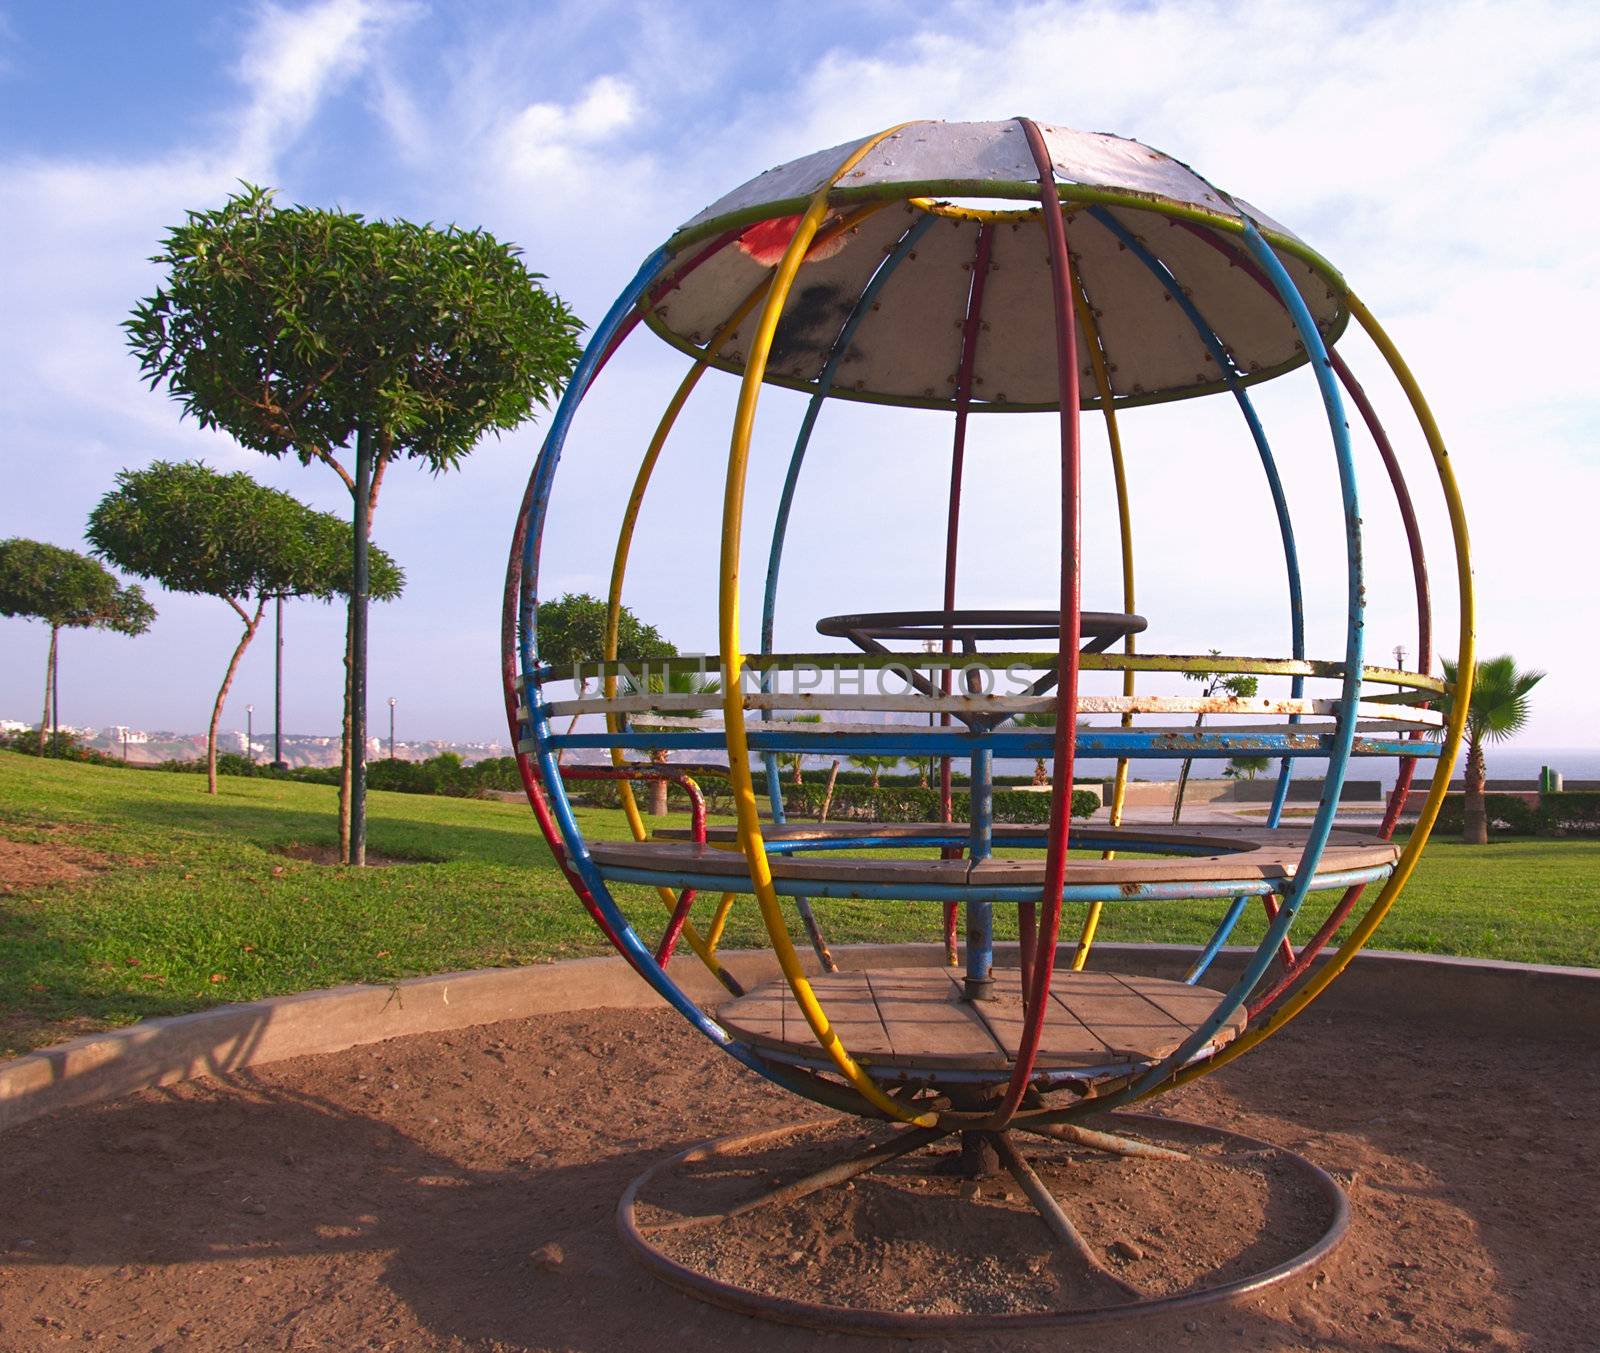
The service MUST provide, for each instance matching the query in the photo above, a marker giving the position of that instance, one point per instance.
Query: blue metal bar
(1013, 745)
(578, 857)
(1193, 890)
(1280, 504)
(980, 913)
(1344, 740)
(1082, 840)
(780, 528)
(1218, 939)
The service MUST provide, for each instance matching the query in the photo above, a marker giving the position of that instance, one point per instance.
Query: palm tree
(1244, 767)
(674, 683)
(1041, 719)
(1496, 709)
(796, 761)
(876, 764)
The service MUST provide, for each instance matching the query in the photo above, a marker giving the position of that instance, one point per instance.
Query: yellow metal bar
(1465, 668)
(981, 215)
(750, 838)
(705, 949)
(719, 921)
(1119, 474)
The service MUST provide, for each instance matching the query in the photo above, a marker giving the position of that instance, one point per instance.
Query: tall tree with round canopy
(573, 631)
(309, 332)
(193, 529)
(66, 590)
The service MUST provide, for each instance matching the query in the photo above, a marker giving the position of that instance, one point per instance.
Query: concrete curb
(1476, 996)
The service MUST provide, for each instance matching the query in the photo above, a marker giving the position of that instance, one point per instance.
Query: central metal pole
(979, 984)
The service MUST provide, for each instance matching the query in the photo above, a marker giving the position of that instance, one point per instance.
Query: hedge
(1571, 813)
(895, 803)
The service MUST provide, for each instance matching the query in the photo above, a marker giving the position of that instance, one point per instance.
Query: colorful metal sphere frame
(1223, 299)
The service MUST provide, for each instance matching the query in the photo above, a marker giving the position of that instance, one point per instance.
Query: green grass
(200, 906)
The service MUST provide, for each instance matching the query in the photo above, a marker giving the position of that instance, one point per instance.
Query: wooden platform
(1220, 852)
(915, 1018)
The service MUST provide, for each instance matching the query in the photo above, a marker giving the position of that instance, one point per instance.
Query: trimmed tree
(1497, 708)
(66, 590)
(310, 333)
(1244, 767)
(673, 683)
(1226, 685)
(193, 529)
(572, 630)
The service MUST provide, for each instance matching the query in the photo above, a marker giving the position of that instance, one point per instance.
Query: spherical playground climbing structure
(1097, 276)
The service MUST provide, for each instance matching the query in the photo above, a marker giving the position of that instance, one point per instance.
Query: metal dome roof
(1138, 223)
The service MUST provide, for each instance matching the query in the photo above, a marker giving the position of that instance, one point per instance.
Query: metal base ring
(902, 1324)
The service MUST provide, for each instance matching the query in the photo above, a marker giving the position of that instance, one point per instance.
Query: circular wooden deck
(915, 1018)
(1209, 852)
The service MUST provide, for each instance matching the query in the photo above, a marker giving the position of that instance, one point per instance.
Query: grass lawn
(188, 900)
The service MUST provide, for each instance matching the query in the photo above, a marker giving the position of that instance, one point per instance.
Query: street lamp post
(250, 733)
(391, 728)
(932, 646)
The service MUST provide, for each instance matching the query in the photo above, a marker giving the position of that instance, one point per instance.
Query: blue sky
(1441, 155)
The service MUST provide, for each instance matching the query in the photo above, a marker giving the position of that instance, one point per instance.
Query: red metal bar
(697, 827)
(508, 640)
(508, 683)
(1027, 943)
(1269, 904)
(1391, 464)
(1408, 512)
(1408, 766)
(667, 285)
(971, 327)
(1071, 613)
(1419, 571)
(1337, 917)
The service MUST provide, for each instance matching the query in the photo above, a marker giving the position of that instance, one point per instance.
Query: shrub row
(1572, 813)
(897, 803)
(63, 746)
(854, 799)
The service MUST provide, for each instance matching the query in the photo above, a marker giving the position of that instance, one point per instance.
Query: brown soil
(26, 866)
(1163, 1227)
(457, 1191)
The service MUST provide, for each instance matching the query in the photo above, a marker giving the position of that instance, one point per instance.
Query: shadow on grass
(274, 827)
(49, 988)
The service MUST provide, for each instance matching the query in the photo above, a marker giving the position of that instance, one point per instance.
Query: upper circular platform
(1145, 231)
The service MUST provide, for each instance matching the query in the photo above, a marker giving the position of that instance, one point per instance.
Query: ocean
(1504, 763)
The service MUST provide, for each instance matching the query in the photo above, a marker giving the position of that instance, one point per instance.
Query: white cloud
(545, 139)
(295, 58)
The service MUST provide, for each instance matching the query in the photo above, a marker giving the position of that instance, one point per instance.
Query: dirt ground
(457, 1192)
(26, 865)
